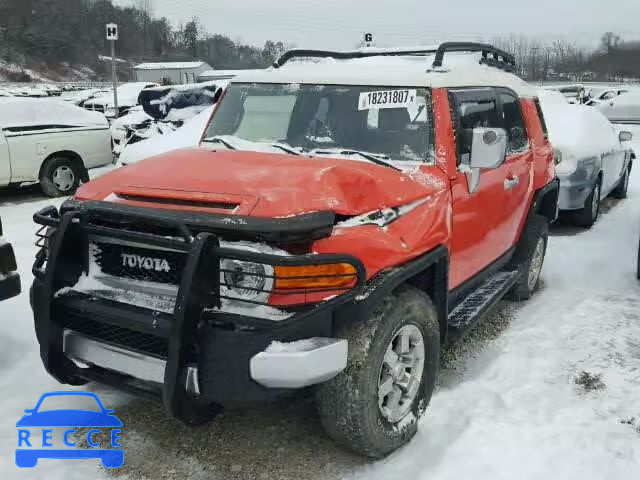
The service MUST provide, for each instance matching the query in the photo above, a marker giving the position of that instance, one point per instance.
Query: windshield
(327, 120)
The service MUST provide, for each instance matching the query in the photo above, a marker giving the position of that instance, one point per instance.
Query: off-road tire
(47, 181)
(586, 217)
(621, 190)
(348, 404)
(536, 229)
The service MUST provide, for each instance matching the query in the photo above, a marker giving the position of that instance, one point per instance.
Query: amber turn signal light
(338, 275)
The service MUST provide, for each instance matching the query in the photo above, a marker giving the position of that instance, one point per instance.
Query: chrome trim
(123, 283)
(144, 367)
(319, 360)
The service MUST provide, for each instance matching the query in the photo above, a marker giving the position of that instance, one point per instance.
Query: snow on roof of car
(23, 112)
(168, 66)
(579, 131)
(459, 70)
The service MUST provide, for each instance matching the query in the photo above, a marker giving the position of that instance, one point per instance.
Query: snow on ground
(509, 405)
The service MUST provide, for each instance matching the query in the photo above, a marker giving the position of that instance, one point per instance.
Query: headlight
(246, 280)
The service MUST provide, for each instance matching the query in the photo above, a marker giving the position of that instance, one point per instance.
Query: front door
(486, 221)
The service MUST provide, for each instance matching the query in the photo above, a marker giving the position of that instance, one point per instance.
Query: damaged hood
(260, 184)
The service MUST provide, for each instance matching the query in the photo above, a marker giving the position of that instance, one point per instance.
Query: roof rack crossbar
(302, 53)
(500, 59)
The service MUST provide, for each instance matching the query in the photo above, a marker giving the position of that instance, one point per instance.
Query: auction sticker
(387, 99)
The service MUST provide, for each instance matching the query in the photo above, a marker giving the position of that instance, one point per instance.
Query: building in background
(169, 72)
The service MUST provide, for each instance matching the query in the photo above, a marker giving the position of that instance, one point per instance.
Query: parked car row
(127, 93)
(37, 90)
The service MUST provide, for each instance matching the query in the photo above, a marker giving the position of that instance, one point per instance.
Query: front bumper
(10, 286)
(9, 279)
(574, 191)
(195, 356)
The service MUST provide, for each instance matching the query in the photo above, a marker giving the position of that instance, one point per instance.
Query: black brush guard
(64, 256)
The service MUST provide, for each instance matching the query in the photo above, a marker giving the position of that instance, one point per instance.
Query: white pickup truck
(50, 142)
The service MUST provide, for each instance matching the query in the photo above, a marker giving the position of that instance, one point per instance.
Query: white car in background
(595, 160)
(78, 97)
(622, 109)
(50, 142)
(599, 95)
(127, 97)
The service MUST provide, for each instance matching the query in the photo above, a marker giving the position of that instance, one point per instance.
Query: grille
(124, 337)
(150, 265)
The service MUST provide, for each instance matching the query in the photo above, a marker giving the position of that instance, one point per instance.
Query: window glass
(328, 120)
(517, 140)
(542, 120)
(473, 112)
(266, 117)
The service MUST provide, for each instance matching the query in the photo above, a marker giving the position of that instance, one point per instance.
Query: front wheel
(621, 190)
(373, 406)
(529, 257)
(588, 215)
(60, 177)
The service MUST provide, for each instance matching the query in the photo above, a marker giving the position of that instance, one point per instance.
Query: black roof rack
(500, 59)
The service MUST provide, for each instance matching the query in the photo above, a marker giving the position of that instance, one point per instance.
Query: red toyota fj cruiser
(348, 212)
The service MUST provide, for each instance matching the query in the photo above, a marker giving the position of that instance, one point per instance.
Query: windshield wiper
(220, 140)
(378, 160)
(286, 148)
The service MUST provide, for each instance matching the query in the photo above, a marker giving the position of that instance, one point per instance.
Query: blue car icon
(71, 418)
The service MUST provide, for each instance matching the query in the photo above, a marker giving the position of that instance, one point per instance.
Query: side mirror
(625, 136)
(557, 156)
(488, 147)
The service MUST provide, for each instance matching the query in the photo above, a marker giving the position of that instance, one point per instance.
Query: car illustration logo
(36, 435)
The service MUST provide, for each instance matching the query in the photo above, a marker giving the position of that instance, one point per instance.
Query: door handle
(511, 183)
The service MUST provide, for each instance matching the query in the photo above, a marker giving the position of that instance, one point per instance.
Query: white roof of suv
(458, 70)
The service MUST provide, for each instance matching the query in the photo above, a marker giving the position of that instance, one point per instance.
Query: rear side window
(514, 124)
(542, 120)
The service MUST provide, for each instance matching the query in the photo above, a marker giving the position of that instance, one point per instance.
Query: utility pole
(112, 36)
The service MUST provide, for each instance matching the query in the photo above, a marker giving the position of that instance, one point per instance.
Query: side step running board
(472, 308)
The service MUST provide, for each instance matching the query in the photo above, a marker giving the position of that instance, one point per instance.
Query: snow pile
(188, 135)
(25, 112)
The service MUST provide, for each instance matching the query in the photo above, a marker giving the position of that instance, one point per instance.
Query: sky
(341, 23)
